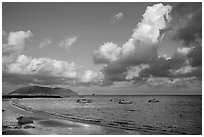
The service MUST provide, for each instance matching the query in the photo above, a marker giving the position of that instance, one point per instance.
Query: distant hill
(43, 91)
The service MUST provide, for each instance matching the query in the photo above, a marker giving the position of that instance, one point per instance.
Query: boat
(84, 100)
(125, 102)
(153, 100)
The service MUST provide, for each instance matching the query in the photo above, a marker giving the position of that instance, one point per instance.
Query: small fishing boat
(153, 100)
(84, 100)
(125, 102)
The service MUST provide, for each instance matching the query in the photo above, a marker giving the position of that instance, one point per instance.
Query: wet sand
(45, 124)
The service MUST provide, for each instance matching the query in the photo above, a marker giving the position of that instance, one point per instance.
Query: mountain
(43, 91)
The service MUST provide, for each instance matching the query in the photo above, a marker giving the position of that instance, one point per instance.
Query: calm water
(171, 115)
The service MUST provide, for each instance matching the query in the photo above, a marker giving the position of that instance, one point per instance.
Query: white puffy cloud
(148, 30)
(183, 50)
(45, 43)
(117, 17)
(183, 70)
(17, 38)
(68, 42)
(23, 69)
(154, 20)
(14, 46)
(143, 38)
(107, 53)
(48, 71)
(26, 65)
(91, 77)
(27, 70)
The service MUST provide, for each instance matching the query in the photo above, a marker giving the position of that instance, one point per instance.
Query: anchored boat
(84, 100)
(153, 100)
(125, 102)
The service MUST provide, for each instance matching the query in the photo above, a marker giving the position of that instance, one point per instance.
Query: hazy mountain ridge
(38, 90)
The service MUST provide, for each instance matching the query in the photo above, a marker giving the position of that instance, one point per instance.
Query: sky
(103, 48)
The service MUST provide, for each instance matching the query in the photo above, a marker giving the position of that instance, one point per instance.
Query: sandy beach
(47, 124)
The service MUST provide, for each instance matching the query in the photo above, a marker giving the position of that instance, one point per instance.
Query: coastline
(51, 123)
(170, 116)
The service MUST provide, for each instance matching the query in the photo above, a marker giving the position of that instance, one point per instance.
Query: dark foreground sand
(45, 124)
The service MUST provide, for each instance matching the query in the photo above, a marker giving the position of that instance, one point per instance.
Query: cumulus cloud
(44, 43)
(154, 20)
(22, 69)
(41, 66)
(107, 53)
(183, 50)
(17, 38)
(91, 77)
(68, 42)
(139, 49)
(117, 17)
(184, 70)
(186, 27)
(47, 71)
(14, 46)
(145, 35)
(133, 72)
(137, 60)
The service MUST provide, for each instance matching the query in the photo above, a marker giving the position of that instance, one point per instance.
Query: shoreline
(92, 115)
(57, 122)
(69, 118)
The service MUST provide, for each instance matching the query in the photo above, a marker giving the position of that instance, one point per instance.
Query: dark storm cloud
(139, 80)
(189, 18)
(113, 72)
(162, 67)
(196, 56)
(187, 21)
(175, 67)
(185, 8)
(117, 70)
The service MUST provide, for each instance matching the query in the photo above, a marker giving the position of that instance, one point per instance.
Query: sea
(170, 115)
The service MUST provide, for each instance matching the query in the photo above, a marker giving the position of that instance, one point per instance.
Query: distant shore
(30, 96)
